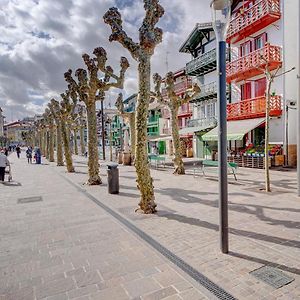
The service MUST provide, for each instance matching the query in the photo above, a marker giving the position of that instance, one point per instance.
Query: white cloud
(40, 40)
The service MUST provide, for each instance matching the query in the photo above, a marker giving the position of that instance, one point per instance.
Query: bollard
(113, 178)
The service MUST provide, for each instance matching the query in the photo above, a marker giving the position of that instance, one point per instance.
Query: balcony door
(260, 41)
(246, 91)
(245, 48)
(260, 87)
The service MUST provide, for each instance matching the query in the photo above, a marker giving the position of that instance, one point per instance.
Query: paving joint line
(205, 282)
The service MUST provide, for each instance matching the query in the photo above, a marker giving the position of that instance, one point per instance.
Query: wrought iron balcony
(180, 87)
(204, 122)
(254, 108)
(253, 19)
(252, 64)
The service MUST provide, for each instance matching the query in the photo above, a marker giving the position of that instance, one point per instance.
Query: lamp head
(221, 12)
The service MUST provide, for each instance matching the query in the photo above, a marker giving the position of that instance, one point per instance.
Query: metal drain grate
(272, 276)
(30, 199)
(188, 269)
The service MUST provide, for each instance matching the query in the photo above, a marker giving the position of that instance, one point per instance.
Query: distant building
(14, 131)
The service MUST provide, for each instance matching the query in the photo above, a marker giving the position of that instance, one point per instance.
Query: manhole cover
(272, 276)
(30, 199)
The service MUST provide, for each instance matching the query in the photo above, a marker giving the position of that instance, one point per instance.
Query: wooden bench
(206, 164)
(158, 160)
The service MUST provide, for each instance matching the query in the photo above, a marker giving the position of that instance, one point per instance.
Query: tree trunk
(82, 146)
(59, 151)
(43, 143)
(93, 157)
(178, 163)
(132, 134)
(51, 144)
(68, 155)
(47, 144)
(267, 171)
(144, 180)
(75, 142)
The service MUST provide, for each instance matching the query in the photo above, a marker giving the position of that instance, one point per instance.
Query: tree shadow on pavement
(239, 232)
(184, 196)
(265, 262)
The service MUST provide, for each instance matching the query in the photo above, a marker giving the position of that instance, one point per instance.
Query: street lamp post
(221, 10)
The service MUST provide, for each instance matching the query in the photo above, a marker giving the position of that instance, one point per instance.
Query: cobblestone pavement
(64, 246)
(264, 228)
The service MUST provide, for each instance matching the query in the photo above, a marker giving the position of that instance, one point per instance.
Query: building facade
(201, 45)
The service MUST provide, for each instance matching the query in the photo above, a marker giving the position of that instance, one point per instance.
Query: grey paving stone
(90, 289)
(58, 297)
(54, 287)
(160, 294)
(168, 277)
(115, 293)
(141, 287)
(87, 278)
(26, 293)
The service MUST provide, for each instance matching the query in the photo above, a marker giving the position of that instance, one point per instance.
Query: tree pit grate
(29, 199)
(272, 276)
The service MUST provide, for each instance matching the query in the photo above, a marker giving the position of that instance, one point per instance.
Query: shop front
(246, 145)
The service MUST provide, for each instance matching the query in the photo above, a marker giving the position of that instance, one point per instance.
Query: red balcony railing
(253, 19)
(253, 108)
(180, 87)
(252, 64)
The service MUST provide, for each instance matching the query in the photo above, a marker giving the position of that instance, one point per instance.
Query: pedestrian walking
(4, 162)
(18, 150)
(6, 151)
(29, 155)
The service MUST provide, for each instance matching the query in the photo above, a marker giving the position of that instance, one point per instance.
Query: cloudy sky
(41, 39)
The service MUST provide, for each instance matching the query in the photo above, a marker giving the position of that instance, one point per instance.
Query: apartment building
(201, 45)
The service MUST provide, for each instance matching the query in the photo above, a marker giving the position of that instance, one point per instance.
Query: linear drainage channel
(192, 272)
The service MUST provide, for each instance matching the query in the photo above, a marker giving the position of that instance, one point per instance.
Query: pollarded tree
(90, 89)
(173, 102)
(129, 118)
(149, 37)
(55, 110)
(66, 109)
(82, 124)
(49, 119)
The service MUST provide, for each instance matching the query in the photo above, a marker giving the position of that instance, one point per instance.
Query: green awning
(235, 130)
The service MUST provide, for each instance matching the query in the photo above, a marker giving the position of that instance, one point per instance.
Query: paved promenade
(69, 245)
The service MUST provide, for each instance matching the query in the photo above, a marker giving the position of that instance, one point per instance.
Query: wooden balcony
(253, 19)
(254, 108)
(180, 87)
(253, 64)
(203, 64)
